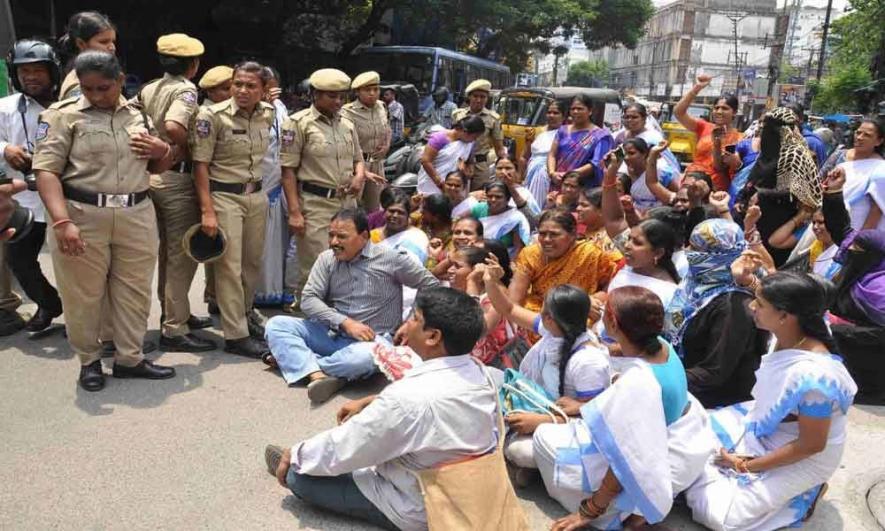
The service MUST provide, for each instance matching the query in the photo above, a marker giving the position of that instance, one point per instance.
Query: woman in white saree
(637, 444)
(779, 450)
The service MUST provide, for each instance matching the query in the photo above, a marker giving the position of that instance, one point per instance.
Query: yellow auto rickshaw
(525, 108)
(682, 141)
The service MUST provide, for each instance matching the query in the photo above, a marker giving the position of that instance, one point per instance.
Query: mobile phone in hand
(620, 153)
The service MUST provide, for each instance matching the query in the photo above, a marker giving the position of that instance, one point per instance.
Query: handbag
(518, 394)
(513, 352)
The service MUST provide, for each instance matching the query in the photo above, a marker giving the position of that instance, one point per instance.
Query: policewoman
(369, 115)
(323, 168)
(228, 142)
(86, 30)
(490, 145)
(92, 160)
(215, 84)
(171, 103)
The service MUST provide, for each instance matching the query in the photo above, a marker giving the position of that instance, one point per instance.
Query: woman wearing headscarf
(857, 315)
(709, 320)
(784, 177)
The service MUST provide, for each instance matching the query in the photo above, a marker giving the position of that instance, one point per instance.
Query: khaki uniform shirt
(232, 142)
(89, 147)
(169, 99)
(371, 125)
(493, 128)
(70, 86)
(321, 150)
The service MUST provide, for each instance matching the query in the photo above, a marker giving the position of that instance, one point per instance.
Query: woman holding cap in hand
(369, 116)
(92, 162)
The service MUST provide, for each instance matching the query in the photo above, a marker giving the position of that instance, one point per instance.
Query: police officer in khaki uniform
(228, 142)
(216, 84)
(171, 102)
(490, 146)
(323, 168)
(92, 161)
(369, 115)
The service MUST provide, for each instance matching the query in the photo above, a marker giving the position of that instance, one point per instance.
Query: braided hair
(569, 307)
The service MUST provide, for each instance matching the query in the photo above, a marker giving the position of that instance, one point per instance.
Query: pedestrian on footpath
(92, 162)
(35, 71)
(228, 143)
(369, 116)
(171, 103)
(323, 168)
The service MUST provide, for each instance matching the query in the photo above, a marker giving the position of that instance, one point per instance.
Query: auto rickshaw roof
(561, 93)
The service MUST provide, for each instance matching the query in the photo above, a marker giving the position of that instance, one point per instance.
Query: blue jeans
(338, 494)
(302, 346)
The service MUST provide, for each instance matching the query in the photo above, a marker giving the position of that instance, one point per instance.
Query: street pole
(823, 40)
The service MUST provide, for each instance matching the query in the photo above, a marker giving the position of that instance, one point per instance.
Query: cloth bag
(489, 504)
(519, 394)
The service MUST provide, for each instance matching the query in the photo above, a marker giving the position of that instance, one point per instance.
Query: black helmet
(303, 87)
(27, 51)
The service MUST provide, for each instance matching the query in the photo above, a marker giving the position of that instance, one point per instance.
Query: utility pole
(735, 17)
(823, 40)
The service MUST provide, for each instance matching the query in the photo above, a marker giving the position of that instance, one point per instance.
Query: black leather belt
(104, 200)
(321, 191)
(480, 158)
(235, 188)
(184, 166)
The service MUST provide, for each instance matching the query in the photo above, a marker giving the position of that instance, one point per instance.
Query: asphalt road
(187, 453)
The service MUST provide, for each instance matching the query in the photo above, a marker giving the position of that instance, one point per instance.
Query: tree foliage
(588, 74)
(857, 43)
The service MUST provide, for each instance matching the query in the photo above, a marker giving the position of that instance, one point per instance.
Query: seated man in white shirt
(443, 410)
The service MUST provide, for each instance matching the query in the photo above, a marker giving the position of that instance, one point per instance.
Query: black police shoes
(199, 323)
(186, 343)
(41, 320)
(246, 346)
(108, 348)
(92, 377)
(145, 369)
(10, 322)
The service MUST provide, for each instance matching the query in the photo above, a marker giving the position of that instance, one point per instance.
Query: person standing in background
(35, 71)
(369, 116)
(171, 102)
(271, 290)
(86, 30)
(490, 145)
(396, 114)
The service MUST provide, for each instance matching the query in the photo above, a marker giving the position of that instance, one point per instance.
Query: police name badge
(203, 127)
(288, 137)
(42, 131)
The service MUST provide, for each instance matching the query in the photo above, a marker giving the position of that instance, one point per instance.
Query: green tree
(588, 74)
(857, 44)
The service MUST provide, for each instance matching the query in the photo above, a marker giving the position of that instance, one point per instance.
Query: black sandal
(269, 360)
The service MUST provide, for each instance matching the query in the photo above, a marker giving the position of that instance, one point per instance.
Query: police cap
(200, 247)
(479, 84)
(179, 45)
(216, 76)
(366, 79)
(330, 79)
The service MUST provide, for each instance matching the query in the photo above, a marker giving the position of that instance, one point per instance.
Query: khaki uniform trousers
(484, 172)
(9, 300)
(243, 219)
(317, 212)
(175, 200)
(371, 199)
(209, 290)
(118, 263)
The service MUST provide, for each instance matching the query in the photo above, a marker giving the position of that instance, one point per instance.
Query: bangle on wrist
(61, 222)
(612, 185)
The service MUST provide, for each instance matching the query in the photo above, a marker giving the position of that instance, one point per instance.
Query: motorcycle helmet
(28, 51)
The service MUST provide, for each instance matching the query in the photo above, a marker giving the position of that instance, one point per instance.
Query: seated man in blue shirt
(443, 410)
(353, 295)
